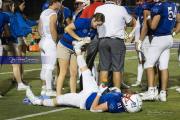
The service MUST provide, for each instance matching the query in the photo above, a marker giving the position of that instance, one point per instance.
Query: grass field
(11, 105)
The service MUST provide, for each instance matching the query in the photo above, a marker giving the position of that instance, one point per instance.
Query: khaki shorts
(65, 53)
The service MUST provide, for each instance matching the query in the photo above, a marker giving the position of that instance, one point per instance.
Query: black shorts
(112, 54)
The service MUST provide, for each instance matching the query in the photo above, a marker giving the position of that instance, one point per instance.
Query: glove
(102, 89)
(86, 39)
(114, 89)
(126, 36)
(173, 34)
(138, 45)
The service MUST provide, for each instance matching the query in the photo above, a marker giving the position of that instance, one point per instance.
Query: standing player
(139, 23)
(91, 97)
(163, 16)
(177, 30)
(47, 29)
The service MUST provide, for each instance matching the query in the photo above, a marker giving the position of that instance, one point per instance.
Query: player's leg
(73, 73)
(163, 66)
(63, 55)
(118, 51)
(152, 55)
(14, 51)
(139, 70)
(89, 83)
(154, 52)
(104, 60)
(49, 60)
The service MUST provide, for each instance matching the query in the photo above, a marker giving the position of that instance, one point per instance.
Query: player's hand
(86, 39)
(173, 34)
(102, 89)
(139, 45)
(115, 89)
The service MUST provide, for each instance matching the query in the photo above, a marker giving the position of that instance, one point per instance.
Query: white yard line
(38, 114)
(24, 70)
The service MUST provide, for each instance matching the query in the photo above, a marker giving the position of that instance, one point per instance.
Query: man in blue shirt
(92, 97)
(161, 22)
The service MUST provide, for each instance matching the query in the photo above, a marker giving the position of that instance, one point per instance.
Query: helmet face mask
(132, 102)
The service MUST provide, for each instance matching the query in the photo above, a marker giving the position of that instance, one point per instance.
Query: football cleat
(163, 96)
(136, 84)
(148, 95)
(34, 100)
(178, 90)
(22, 87)
(50, 93)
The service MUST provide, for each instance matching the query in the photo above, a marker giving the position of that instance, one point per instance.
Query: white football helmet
(132, 102)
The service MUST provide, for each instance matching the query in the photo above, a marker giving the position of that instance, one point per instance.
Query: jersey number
(171, 14)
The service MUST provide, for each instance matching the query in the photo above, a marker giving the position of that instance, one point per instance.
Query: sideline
(38, 114)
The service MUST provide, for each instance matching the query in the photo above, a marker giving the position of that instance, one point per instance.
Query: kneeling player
(91, 98)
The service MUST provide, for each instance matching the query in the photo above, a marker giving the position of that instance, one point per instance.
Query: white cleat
(163, 96)
(136, 84)
(34, 100)
(22, 87)
(156, 94)
(50, 93)
(1, 96)
(43, 90)
(149, 95)
(178, 90)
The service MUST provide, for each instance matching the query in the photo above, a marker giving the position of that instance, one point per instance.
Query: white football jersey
(45, 20)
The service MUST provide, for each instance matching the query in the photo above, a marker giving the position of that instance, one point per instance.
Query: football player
(91, 97)
(161, 20)
(142, 33)
(47, 29)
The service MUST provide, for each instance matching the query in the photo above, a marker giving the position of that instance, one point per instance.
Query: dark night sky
(33, 7)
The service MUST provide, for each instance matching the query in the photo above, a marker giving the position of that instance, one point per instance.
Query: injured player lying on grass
(91, 97)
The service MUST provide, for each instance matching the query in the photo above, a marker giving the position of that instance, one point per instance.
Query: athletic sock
(48, 77)
(81, 62)
(140, 72)
(48, 102)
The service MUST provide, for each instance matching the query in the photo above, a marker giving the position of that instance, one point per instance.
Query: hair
(54, 1)
(17, 3)
(99, 17)
(7, 5)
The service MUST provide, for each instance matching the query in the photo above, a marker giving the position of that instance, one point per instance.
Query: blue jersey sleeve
(146, 6)
(67, 13)
(31, 22)
(157, 9)
(115, 106)
(82, 23)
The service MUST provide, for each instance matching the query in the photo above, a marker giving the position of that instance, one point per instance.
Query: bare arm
(144, 29)
(70, 30)
(40, 28)
(133, 23)
(154, 22)
(68, 21)
(177, 29)
(98, 108)
(53, 27)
